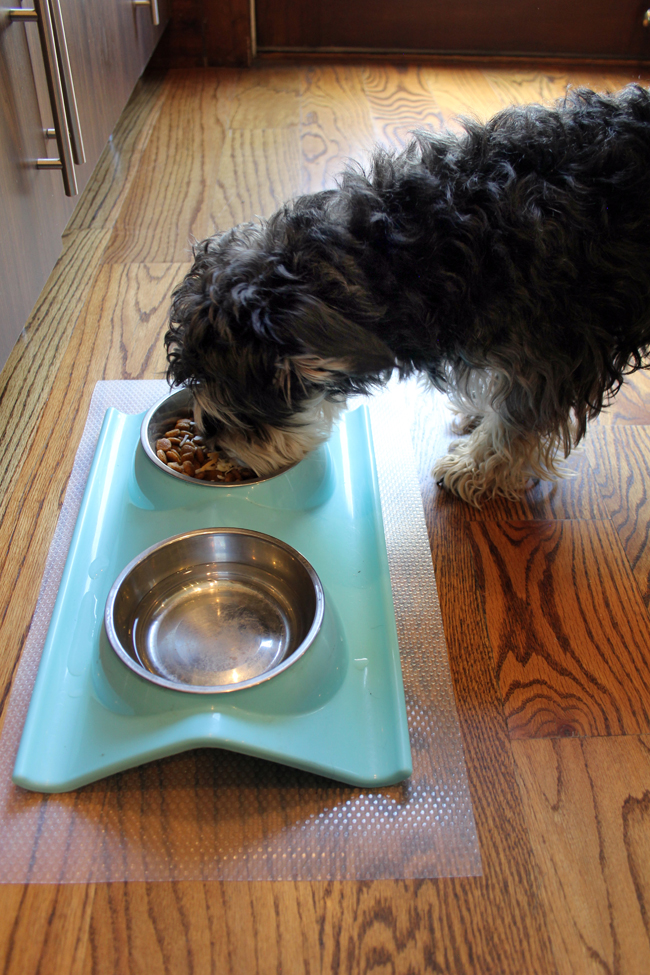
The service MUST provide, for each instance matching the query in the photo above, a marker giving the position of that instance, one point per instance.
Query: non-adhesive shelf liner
(212, 814)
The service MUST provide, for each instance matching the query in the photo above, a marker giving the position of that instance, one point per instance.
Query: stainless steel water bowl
(156, 423)
(214, 610)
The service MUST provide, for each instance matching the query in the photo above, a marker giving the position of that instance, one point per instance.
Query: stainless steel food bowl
(214, 610)
(156, 422)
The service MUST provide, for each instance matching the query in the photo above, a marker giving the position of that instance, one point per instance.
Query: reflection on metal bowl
(214, 610)
(156, 423)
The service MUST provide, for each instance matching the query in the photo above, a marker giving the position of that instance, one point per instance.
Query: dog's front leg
(495, 459)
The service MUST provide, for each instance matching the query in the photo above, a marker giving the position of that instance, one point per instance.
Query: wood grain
(631, 405)
(400, 101)
(512, 86)
(268, 99)
(520, 87)
(101, 201)
(33, 365)
(169, 200)
(47, 930)
(259, 171)
(620, 461)
(462, 92)
(588, 808)
(119, 335)
(570, 644)
(335, 124)
(131, 304)
(266, 928)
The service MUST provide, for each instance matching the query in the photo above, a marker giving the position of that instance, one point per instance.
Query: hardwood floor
(545, 601)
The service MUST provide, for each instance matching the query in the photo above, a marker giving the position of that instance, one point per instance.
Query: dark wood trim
(535, 28)
(205, 33)
(345, 56)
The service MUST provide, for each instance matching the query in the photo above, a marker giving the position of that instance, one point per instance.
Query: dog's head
(261, 330)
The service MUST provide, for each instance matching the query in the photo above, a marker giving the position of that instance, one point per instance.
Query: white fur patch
(497, 459)
(281, 447)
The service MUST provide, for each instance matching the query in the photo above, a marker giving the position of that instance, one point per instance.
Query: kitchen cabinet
(109, 43)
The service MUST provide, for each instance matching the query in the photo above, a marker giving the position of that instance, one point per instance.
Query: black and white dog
(509, 265)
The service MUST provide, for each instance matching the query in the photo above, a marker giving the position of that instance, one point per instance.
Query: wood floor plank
(168, 204)
(130, 939)
(335, 126)
(630, 405)
(47, 932)
(617, 79)
(620, 461)
(101, 201)
(485, 739)
(587, 805)
(545, 85)
(267, 98)
(146, 929)
(338, 928)
(124, 305)
(462, 92)
(569, 632)
(487, 751)
(136, 304)
(537, 84)
(259, 171)
(473, 677)
(31, 370)
(400, 101)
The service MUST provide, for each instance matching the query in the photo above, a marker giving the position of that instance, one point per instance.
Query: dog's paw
(459, 476)
(475, 482)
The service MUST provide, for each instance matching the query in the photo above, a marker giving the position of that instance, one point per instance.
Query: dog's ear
(332, 343)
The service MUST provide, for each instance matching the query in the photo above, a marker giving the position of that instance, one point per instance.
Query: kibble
(183, 450)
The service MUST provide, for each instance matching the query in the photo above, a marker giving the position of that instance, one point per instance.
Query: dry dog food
(183, 450)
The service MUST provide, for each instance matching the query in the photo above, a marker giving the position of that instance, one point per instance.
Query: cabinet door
(34, 208)
(109, 43)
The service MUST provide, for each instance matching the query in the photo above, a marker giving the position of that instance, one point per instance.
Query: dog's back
(537, 222)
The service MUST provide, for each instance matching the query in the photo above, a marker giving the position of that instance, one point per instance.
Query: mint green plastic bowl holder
(339, 711)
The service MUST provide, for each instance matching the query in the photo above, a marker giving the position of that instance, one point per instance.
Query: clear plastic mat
(217, 815)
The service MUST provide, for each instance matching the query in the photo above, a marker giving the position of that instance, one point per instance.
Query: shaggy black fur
(521, 247)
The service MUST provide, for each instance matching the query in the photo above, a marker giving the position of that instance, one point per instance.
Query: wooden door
(585, 28)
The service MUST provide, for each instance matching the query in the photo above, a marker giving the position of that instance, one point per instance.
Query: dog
(508, 265)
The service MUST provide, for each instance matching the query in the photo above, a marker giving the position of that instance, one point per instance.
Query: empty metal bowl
(156, 423)
(214, 610)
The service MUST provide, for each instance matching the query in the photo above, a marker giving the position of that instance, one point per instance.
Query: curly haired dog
(509, 264)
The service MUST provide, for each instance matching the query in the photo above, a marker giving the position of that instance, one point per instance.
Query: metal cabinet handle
(42, 15)
(155, 15)
(68, 85)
